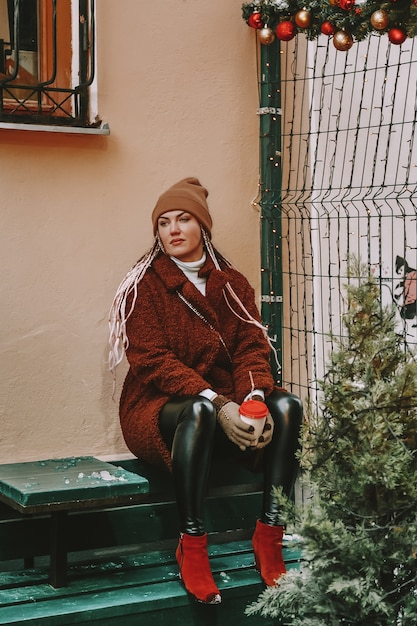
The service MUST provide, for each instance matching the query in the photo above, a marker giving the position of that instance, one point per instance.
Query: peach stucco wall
(177, 84)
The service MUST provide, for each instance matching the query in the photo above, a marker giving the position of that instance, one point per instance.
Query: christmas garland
(345, 20)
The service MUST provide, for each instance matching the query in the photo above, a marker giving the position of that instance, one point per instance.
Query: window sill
(104, 129)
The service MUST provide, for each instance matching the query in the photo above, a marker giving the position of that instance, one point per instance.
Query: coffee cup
(254, 412)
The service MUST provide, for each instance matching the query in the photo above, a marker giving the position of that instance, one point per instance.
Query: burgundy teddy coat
(173, 352)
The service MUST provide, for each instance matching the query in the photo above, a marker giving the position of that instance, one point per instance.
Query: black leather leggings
(190, 430)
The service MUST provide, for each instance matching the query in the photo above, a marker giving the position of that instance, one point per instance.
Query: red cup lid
(254, 408)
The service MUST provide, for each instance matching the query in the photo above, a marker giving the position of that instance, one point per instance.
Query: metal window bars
(46, 64)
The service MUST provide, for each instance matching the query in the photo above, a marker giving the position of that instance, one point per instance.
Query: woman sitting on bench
(188, 323)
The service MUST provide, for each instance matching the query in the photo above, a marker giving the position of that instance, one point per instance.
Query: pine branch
(359, 532)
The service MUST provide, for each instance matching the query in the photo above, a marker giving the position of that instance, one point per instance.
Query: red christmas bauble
(397, 36)
(346, 5)
(285, 31)
(303, 18)
(255, 20)
(327, 28)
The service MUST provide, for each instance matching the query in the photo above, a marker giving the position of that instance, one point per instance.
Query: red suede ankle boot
(195, 572)
(267, 546)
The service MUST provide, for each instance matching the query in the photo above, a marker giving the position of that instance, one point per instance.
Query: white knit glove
(236, 430)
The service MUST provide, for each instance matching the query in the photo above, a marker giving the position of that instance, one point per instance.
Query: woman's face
(180, 234)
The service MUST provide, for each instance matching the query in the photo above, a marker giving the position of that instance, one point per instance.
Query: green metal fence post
(270, 203)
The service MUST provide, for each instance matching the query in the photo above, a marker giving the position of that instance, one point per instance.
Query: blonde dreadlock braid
(118, 316)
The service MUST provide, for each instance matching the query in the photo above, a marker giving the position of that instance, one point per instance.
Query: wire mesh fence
(349, 189)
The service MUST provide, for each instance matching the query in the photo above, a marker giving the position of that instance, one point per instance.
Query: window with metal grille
(47, 62)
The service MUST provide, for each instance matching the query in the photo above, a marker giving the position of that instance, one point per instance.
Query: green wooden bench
(121, 564)
(57, 486)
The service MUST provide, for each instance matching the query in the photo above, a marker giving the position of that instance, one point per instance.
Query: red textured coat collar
(175, 280)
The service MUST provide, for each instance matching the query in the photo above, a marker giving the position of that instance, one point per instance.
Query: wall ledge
(104, 129)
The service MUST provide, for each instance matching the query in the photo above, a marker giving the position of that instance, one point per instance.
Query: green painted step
(137, 589)
(22, 536)
(224, 474)
(144, 568)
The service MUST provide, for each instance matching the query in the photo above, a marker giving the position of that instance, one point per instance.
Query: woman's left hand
(229, 419)
(267, 433)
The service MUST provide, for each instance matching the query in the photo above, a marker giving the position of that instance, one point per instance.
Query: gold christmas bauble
(342, 40)
(303, 18)
(266, 36)
(379, 19)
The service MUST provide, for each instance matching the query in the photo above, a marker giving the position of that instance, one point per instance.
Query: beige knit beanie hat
(187, 195)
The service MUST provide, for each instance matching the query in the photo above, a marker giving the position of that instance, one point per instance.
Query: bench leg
(29, 562)
(58, 567)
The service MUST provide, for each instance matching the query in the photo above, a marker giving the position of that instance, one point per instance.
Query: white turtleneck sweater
(191, 269)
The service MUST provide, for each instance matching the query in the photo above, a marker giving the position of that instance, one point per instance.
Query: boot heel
(267, 547)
